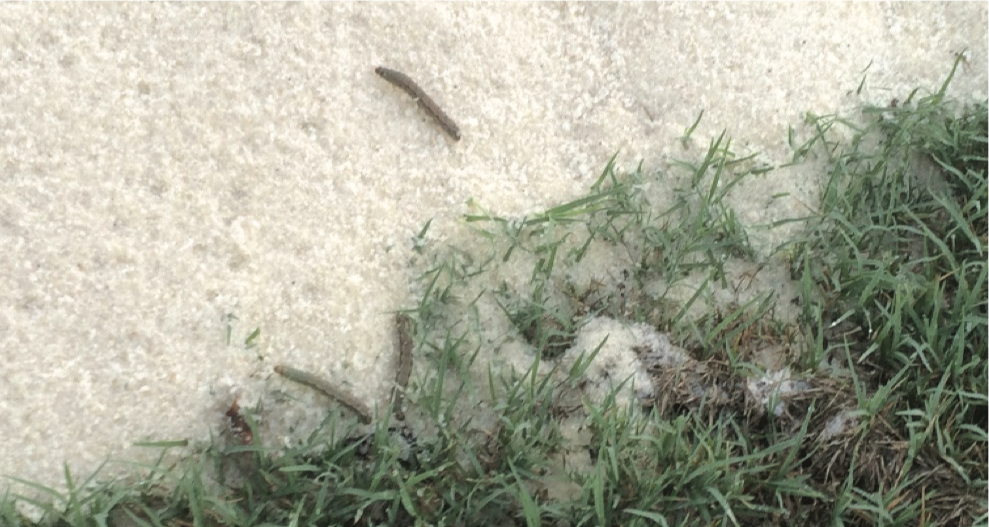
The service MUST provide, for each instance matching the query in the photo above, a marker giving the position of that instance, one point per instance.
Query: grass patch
(599, 363)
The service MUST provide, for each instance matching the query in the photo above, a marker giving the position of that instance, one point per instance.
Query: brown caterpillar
(425, 102)
(404, 368)
(239, 425)
(333, 392)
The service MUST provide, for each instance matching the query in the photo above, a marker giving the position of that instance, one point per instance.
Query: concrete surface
(169, 171)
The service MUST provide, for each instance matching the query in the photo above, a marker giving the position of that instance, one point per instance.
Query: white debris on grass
(838, 425)
(775, 386)
(617, 362)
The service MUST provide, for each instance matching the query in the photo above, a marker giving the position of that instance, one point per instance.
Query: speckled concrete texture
(172, 172)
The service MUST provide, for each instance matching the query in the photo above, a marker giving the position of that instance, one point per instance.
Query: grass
(877, 418)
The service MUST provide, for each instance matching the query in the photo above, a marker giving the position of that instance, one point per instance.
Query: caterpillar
(404, 369)
(333, 392)
(425, 102)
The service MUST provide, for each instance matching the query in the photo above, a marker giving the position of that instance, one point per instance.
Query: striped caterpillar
(328, 389)
(404, 369)
(425, 102)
